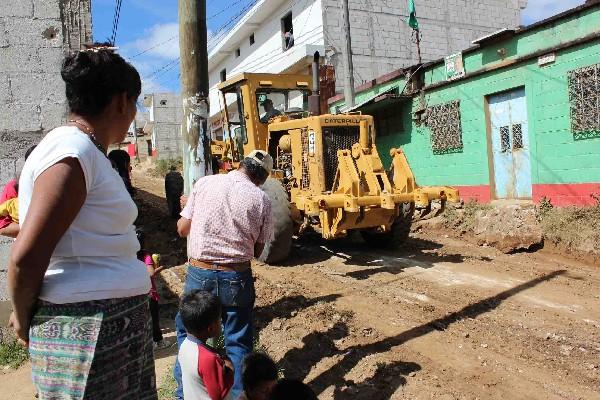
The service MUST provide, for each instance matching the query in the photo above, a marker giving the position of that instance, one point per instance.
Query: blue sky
(150, 26)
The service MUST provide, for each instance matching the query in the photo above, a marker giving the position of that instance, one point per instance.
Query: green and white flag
(412, 15)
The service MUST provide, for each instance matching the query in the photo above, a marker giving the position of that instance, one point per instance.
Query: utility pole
(193, 47)
(135, 137)
(348, 68)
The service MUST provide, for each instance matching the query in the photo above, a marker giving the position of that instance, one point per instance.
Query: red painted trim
(480, 193)
(566, 194)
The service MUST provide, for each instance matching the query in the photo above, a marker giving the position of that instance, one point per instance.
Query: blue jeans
(236, 292)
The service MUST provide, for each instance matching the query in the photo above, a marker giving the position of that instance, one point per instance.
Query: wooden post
(348, 67)
(193, 47)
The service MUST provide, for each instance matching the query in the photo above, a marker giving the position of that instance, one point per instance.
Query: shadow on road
(353, 251)
(384, 383)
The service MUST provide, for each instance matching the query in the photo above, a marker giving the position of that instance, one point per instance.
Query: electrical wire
(225, 9)
(155, 46)
(116, 21)
(170, 63)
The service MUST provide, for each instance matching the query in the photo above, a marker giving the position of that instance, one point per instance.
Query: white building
(381, 40)
(165, 113)
(257, 44)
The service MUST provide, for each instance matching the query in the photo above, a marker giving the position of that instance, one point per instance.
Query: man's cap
(263, 158)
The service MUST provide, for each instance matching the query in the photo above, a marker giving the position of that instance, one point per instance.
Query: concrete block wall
(167, 114)
(169, 142)
(383, 42)
(34, 37)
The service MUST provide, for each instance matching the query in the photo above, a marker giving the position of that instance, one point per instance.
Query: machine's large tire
(279, 249)
(399, 232)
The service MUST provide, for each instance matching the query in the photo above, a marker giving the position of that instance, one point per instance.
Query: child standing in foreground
(205, 374)
(153, 268)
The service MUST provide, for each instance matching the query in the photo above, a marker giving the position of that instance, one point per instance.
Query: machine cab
(249, 101)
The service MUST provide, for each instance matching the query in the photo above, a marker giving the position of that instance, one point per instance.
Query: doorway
(510, 145)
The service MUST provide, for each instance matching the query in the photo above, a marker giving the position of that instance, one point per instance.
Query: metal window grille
(517, 136)
(444, 122)
(305, 176)
(334, 139)
(584, 98)
(504, 139)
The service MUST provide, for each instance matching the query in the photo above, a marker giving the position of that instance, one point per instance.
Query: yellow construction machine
(328, 176)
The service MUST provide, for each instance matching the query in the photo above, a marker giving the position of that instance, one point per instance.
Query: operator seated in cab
(270, 110)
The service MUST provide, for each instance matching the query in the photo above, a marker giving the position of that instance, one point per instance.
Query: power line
(170, 63)
(116, 21)
(215, 36)
(225, 9)
(155, 46)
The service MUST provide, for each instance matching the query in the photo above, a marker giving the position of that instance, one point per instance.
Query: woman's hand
(183, 201)
(21, 329)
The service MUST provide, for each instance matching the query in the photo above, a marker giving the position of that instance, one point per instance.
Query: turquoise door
(510, 145)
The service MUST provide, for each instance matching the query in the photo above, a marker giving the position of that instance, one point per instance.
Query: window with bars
(584, 99)
(444, 122)
(388, 121)
(505, 137)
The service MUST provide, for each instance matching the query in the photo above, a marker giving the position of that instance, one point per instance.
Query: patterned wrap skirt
(98, 349)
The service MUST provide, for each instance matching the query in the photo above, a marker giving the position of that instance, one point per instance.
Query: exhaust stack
(314, 101)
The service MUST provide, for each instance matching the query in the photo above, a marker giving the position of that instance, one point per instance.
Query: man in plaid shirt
(227, 220)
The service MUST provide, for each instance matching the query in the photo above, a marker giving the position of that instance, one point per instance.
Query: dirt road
(440, 318)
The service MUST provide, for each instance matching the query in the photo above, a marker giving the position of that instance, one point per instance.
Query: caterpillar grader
(327, 176)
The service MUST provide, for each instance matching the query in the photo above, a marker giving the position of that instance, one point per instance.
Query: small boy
(153, 268)
(292, 389)
(205, 374)
(259, 375)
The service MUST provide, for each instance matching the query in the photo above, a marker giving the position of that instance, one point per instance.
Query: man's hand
(183, 201)
(21, 329)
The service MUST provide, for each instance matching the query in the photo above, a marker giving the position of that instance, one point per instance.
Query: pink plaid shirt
(229, 215)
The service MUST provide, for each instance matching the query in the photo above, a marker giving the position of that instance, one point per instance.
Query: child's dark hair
(256, 369)
(292, 389)
(93, 77)
(121, 159)
(198, 309)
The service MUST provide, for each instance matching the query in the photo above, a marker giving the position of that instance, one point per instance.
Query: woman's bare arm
(58, 195)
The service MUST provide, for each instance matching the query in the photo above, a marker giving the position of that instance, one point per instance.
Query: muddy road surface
(439, 319)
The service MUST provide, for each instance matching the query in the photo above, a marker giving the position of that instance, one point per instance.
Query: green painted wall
(556, 155)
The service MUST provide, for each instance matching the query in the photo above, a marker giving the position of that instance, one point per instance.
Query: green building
(516, 116)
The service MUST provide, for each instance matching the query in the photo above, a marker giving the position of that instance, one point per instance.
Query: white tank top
(96, 257)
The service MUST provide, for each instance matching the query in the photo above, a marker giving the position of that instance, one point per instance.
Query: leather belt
(233, 267)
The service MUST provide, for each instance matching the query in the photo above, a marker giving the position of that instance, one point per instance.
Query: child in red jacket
(205, 373)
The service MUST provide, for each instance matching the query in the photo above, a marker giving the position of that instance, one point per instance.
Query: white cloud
(150, 85)
(537, 10)
(161, 40)
(157, 63)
